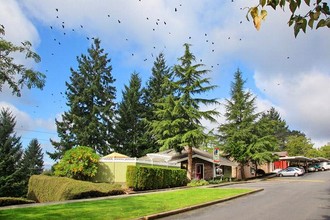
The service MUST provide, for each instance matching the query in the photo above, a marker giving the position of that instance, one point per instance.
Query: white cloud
(25, 123)
(18, 23)
(304, 100)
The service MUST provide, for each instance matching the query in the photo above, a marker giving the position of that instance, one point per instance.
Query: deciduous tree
(78, 163)
(317, 13)
(14, 74)
(298, 145)
(325, 150)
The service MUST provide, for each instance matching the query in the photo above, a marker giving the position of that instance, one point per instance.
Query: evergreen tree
(167, 125)
(11, 183)
(276, 126)
(32, 163)
(178, 116)
(90, 95)
(156, 90)
(237, 134)
(130, 127)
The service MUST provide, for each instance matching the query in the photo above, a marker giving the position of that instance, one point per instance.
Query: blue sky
(289, 74)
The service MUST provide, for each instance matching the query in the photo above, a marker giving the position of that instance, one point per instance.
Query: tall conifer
(11, 183)
(178, 122)
(156, 90)
(90, 97)
(130, 127)
(238, 131)
(32, 162)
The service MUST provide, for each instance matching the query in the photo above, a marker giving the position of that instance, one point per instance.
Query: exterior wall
(208, 172)
(249, 170)
(228, 172)
(112, 172)
(281, 164)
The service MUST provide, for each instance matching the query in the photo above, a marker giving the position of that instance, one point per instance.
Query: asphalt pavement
(293, 198)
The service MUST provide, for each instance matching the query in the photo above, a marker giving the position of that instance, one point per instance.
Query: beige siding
(112, 172)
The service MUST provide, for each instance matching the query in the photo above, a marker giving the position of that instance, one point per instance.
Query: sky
(287, 73)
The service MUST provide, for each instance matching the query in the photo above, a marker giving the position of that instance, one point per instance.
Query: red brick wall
(208, 168)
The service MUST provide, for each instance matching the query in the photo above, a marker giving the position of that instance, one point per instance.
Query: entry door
(199, 171)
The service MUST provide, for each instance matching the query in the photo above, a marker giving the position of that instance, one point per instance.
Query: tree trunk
(189, 173)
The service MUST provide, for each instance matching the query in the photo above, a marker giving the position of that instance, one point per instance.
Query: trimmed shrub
(147, 178)
(198, 183)
(44, 188)
(5, 201)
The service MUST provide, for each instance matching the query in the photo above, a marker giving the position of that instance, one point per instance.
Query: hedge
(147, 178)
(44, 188)
(5, 201)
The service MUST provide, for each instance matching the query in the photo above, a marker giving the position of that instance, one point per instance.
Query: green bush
(44, 188)
(198, 183)
(5, 201)
(78, 163)
(147, 178)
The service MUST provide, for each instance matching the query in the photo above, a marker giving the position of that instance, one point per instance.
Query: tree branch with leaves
(318, 12)
(18, 75)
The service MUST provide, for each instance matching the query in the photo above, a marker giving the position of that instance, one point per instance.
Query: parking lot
(303, 197)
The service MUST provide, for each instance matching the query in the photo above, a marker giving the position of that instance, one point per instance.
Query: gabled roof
(114, 155)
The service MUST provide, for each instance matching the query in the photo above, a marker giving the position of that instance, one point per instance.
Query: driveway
(293, 198)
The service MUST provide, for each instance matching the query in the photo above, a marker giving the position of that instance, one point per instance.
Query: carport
(297, 160)
(320, 159)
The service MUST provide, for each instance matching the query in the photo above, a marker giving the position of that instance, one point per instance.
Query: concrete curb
(177, 211)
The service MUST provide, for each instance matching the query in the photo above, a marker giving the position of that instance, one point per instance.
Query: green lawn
(130, 207)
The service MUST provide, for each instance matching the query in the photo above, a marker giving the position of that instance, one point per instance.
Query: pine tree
(32, 163)
(130, 127)
(156, 89)
(90, 95)
(178, 117)
(11, 183)
(237, 134)
(276, 126)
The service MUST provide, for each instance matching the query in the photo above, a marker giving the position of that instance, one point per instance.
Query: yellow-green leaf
(257, 22)
(296, 29)
(254, 12)
(321, 23)
(316, 15)
(304, 25)
(311, 23)
(263, 14)
(262, 3)
(293, 6)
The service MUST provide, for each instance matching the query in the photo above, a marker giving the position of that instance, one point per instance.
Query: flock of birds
(155, 24)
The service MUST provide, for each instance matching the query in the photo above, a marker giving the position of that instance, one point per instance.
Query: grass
(130, 207)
